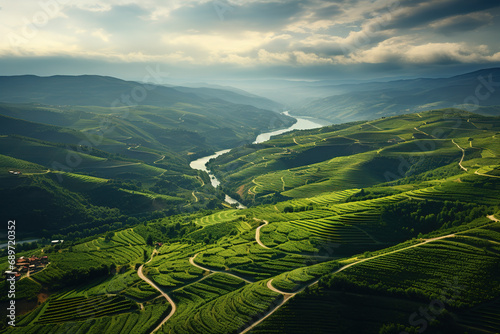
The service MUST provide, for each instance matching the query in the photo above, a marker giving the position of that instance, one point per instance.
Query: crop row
(462, 272)
(83, 308)
(226, 314)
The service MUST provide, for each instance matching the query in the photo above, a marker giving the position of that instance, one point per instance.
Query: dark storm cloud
(460, 24)
(422, 13)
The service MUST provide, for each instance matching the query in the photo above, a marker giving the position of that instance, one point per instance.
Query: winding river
(303, 123)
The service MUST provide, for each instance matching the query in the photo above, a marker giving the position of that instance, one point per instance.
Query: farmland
(321, 243)
(353, 156)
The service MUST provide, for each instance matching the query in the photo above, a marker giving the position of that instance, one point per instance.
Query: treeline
(77, 276)
(364, 195)
(409, 218)
(171, 229)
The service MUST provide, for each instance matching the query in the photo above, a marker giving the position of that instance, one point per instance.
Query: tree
(149, 240)
(108, 236)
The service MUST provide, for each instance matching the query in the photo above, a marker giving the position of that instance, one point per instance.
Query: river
(303, 123)
(18, 242)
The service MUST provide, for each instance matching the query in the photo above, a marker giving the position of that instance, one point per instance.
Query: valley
(382, 225)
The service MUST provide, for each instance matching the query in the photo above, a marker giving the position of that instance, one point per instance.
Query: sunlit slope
(226, 269)
(454, 278)
(356, 155)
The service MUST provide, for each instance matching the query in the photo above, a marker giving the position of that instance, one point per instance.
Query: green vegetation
(356, 155)
(81, 308)
(375, 218)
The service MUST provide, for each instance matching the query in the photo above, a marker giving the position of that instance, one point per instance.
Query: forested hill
(104, 91)
(83, 164)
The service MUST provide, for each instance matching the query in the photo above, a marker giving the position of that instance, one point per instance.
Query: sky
(254, 39)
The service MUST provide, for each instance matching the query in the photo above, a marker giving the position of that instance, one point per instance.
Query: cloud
(100, 33)
(461, 23)
(418, 14)
(307, 37)
(402, 51)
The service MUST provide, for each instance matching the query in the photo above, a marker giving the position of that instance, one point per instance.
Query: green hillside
(357, 155)
(386, 226)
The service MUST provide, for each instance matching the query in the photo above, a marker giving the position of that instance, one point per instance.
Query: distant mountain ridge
(380, 99)
(104, 91)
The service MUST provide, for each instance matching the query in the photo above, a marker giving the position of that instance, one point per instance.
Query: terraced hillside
(356, 155)
(453, 278)
(370, 259)
(143, 150)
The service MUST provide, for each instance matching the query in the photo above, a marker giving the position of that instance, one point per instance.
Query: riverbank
(302, 123)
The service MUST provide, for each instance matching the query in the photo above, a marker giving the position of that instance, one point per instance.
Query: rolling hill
(354, 155)
(378, 99)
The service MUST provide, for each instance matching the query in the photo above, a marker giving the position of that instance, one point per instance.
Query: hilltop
(369, 101)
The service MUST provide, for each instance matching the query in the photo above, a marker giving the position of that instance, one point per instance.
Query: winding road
(477, 172)
(425, 133)
(287, 295)
(162, 157)
(463, 156)
(147, 280)
(257, 234)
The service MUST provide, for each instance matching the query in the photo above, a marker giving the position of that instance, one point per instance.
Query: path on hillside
(195, 198)
(162, 157)
(287, 296)
(147, 280)
(425, 133)
(482, 174)
(493, 218)
(191, 260)
(463, 156)
(40, 173)
(376, 127)
(257, 233)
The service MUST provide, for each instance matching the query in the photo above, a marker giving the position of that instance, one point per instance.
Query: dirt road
(147, 280)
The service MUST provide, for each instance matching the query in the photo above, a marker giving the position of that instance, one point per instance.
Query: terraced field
(81, 308)
(308, 264)
(483, 318)
(171, 268)
(218, 217)
(125, 248)
(228, 313)
(454, 263)
(360, 155)
(8, 163)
